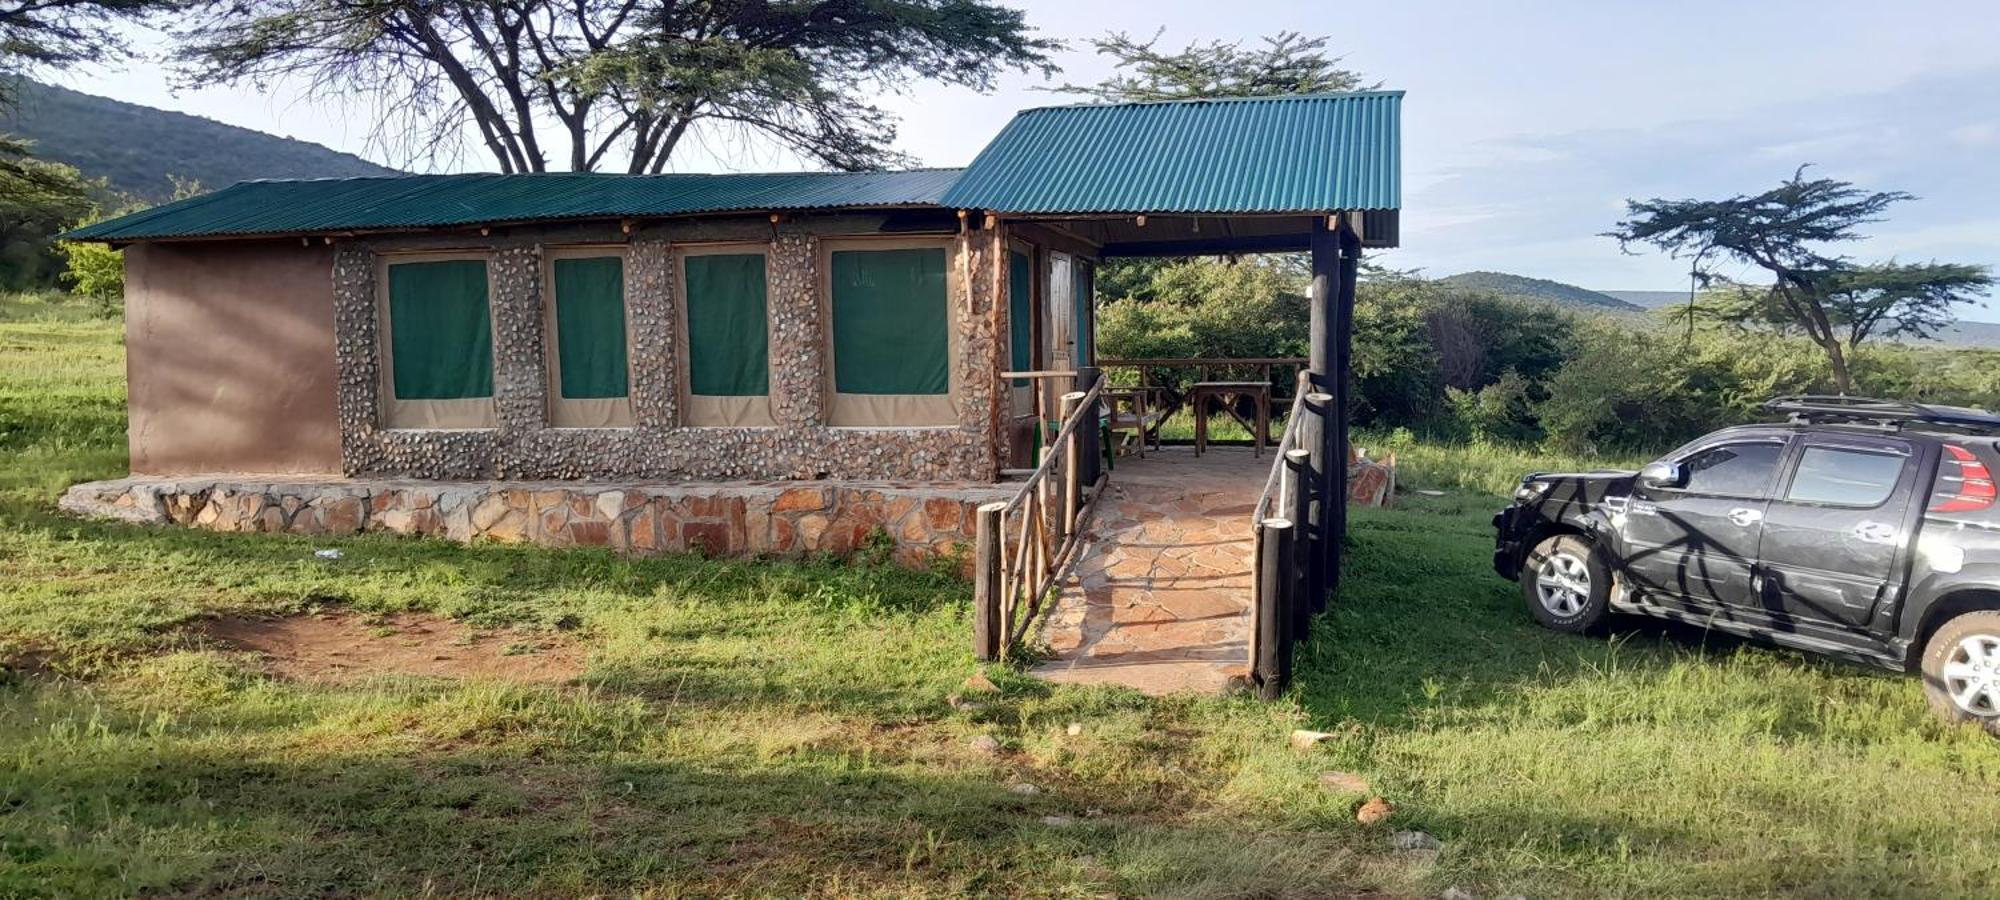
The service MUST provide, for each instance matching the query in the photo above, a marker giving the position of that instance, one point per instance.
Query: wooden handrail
(1016, 567)
(1286, 579)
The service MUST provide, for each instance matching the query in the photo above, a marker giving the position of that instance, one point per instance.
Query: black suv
(1862, 529)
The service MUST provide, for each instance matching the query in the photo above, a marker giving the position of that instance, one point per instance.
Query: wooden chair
(1135, 416)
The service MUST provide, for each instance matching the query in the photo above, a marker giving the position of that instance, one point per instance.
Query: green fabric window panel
(891, 328)
(590, 327)
(1021, 313)
(440, 328)
(728, 351)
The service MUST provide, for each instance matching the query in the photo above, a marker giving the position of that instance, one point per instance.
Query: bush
(95, 272)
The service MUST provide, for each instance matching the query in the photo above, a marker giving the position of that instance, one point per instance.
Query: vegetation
(591, 81)
(785, 728)
(142, 153)
(1521, 287)
(48, 34)
(1788, 232)
(38, 200)
(1285, 63)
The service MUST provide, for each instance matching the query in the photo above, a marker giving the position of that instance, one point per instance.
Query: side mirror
(1663, 475)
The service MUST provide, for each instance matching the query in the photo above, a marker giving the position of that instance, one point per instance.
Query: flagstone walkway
(1160, 600)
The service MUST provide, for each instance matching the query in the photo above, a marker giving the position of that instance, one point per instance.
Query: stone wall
(802, 446)
(924, 522)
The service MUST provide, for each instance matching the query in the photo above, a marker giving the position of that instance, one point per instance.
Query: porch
(1160, 598)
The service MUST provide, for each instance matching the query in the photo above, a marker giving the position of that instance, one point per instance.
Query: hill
(1979, 335)
(136, 148)
(1539, 290)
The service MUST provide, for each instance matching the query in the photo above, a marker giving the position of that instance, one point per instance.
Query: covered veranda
(1174, 571)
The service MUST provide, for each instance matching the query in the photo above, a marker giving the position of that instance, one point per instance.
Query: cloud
(1535, 204)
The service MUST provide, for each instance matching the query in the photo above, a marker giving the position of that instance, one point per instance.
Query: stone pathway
(1160, 600)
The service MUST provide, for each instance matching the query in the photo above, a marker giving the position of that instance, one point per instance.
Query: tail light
(1965, 484)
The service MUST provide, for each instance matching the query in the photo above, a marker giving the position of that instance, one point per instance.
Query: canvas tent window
(589, 358)
(889, 333)
(725, 336)
(438, 333)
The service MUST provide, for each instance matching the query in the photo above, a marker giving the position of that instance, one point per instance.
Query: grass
(784, 728)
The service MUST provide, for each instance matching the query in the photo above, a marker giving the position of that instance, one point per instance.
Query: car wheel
(1961, 669)
(1567, 585)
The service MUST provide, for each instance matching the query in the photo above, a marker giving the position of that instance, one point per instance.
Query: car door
(1834, 537)
(1698, 542)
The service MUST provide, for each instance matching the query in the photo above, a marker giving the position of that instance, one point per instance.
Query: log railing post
(988, 638)
(1274, 651)
(1298, 507)
(1072, 465)
(1088, 377)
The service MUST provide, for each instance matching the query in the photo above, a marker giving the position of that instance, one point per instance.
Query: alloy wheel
(1563, 584)
(1972, 675)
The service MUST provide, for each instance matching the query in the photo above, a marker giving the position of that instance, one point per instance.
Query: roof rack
(1887, 415)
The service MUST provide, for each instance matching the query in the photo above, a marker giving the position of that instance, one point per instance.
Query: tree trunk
(1842, 379)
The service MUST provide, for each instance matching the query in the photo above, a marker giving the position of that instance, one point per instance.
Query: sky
(1527, 125)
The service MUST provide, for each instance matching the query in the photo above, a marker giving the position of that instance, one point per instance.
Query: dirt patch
(342, 647)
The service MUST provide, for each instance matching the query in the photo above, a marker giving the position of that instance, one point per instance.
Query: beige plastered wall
(230, 358)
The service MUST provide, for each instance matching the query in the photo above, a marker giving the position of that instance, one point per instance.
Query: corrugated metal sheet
(1308, 153)
(424, 201)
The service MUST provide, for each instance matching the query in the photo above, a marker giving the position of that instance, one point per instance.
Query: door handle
(1745, 517)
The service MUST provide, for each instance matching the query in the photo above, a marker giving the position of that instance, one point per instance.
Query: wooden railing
(1023, 545)
(1288, 583)
(1161, 372)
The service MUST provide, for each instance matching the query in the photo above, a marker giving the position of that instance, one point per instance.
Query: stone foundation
(924, 522)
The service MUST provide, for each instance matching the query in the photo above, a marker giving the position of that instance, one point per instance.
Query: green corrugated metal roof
(1304, 153)
(425, 201)
(1299, 154)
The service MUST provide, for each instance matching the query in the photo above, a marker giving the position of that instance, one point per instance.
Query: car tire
(1567, 585)
(1961, 669)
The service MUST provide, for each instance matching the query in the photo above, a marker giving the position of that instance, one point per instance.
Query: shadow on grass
(422, 789)
(1424, 625)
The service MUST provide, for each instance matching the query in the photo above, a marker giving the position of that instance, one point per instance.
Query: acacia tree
(40, 34)
(595, 80)
(1788, 232)
(1284, 63)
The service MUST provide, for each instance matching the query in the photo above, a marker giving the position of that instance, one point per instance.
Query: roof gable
(1290, 154)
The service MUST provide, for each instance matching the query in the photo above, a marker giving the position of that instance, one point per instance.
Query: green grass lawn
(784, 729)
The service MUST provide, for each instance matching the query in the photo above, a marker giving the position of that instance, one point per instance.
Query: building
(734, 363)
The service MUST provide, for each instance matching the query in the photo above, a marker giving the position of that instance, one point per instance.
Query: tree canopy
(1283, 63)
(38, 34)
(593, 84)
(1789, 232)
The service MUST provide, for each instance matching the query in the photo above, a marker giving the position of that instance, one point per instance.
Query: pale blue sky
(1527, 123)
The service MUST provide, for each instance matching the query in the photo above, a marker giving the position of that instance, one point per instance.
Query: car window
(1733, 470)
(1845, 477)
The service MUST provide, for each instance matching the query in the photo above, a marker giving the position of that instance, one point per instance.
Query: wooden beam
(1217, 245)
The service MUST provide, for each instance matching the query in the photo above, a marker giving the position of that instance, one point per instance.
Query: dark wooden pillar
(1343, 393)
(1318, 434)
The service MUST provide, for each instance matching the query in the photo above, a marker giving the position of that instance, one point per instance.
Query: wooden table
(1257, 391)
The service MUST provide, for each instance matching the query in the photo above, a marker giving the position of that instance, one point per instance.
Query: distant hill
(1540, 289)
(1649, 299)
(136, 148)
(1984, 335)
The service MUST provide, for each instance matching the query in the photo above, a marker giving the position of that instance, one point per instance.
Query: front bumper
(1507, 539)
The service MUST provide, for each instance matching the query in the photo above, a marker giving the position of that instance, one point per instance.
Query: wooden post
(1316, 434)
(987, 596)
(1072, 465)
(1087, 377)
(1343, 395)
(1304, 485)
(1272, 667)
